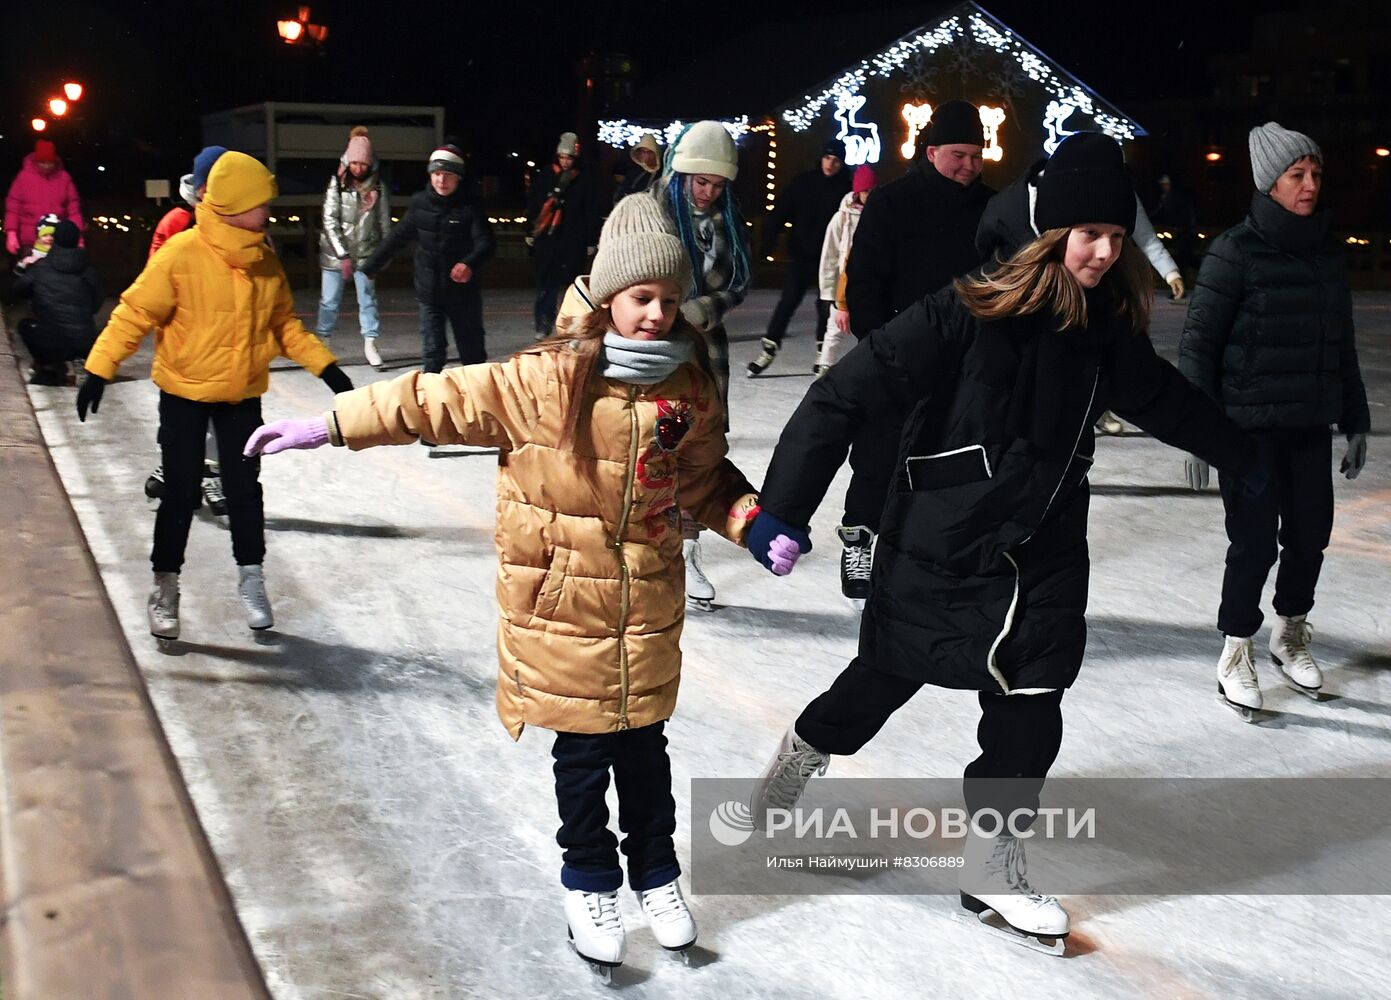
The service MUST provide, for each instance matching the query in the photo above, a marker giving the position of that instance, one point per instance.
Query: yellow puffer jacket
(222, 310)
(590, 580)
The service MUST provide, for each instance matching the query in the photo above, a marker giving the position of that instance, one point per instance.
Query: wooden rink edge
(108, 883)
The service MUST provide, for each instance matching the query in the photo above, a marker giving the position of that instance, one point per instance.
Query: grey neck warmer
(642, 362)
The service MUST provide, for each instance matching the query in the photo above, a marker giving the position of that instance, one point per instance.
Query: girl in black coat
(980, 574)
(454, 242)
(67, 295)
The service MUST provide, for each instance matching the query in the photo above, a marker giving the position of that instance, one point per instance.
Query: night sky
(503, 70)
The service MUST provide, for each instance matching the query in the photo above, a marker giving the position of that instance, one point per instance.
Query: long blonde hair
(1035, 279)
(585, 338)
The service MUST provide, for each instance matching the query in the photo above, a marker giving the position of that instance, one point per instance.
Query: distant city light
(1383, 151)
(101, 170)
(1213, 157)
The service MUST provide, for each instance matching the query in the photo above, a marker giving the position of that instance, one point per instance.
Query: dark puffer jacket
(916, 234)
(1269, 331)
(981, 570)
(450, 230)
(66, 294)
(809, 202)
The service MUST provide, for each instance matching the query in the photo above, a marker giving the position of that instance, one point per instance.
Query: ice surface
(384, 838)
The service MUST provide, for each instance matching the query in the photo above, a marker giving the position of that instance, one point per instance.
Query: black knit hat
(66, 234)
(833, 147)
(1085, 180)
(955, 122)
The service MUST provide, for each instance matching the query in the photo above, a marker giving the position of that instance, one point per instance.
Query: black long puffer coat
(1269, 331)
(981, 570)
(451, 230)
(66, 294)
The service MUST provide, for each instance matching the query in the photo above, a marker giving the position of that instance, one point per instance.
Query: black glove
(333, 377)
(89, 395)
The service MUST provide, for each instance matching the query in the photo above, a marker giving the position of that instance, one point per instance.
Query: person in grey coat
(357, 217)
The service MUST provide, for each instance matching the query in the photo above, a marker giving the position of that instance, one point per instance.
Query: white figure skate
(700, 592)
(785, 778)
(1289, 651)
(993, 883)
(596, 930)
(669, 917)
(1237, 687)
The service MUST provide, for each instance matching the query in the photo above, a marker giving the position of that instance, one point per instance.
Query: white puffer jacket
(835, 248)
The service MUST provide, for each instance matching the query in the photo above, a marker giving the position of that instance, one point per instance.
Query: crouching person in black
(67, 295)
(981, 572)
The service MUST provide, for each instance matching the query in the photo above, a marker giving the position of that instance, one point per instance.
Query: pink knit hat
(359, 146)
(864, 179)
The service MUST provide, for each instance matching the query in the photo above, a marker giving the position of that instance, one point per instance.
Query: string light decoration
(860, 146)
(621, 133)
(917, 117)
(958, 30)
(991, 119)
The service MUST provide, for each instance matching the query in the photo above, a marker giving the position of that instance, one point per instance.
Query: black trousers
(873, 452)
(464, 314)
(646, 809)
(801, 275)
(45, 349)
(1292, 519)
(183, 425)
(1019, 734)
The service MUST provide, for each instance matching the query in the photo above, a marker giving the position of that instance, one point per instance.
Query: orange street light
(1213, 157)
(73, 91)
(1383, 151)
(58, 106)
(39, 124)
(290, 31)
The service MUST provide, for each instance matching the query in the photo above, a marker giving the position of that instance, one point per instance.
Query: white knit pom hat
(638, 243)
(706, 148)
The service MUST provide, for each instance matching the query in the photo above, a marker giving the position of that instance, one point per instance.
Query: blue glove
(776, 544)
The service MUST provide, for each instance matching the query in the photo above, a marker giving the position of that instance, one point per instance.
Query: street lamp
(58, 107)
(72, 91)
(38, 124)
(1383, 151)
(295, 30)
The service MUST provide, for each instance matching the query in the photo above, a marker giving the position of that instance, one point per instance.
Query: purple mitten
(282, 435)
(783, 554)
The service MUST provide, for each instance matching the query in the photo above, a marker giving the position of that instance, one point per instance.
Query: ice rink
(384, 838)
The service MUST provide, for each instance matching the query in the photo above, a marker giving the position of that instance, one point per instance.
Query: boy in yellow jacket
(221, 308)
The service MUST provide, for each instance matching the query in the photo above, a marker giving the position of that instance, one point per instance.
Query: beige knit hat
(638, 243)
(706, 148)
(569, 145)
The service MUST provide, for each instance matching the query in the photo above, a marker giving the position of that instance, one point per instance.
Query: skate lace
(1243, 666)
(1009, 859)
(212, 489)
(166, 599)
(1297, 640)
(795, 768)
(603, 911)
(665, 902)
(253, 595)
(858, 560)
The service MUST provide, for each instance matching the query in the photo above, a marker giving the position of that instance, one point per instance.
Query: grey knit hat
(638, 243)
(1273, 149)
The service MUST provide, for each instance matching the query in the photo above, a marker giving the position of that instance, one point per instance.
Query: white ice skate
(669, 916)
(1109, 423)
(369, 351)
(163, 607)
(596, 930)
(786, 776)
(1237, 687)
(699, 590)
(251, 584)
(1289, 651)
(760, 364)
(993, 882)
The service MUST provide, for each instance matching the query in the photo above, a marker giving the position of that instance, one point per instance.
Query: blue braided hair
(733, 221)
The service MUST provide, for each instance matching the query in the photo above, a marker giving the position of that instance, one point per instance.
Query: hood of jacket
(69, 260)
(31, 165)
(239, 248)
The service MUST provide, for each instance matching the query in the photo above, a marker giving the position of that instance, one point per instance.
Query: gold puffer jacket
(590, 580)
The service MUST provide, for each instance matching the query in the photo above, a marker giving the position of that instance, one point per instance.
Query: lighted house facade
(879, 106)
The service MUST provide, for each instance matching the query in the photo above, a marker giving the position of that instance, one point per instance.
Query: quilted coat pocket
(548, 598)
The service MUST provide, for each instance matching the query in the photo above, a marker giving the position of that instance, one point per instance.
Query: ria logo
(731, 823)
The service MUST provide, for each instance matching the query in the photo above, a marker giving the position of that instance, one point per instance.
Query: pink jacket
(32, 195)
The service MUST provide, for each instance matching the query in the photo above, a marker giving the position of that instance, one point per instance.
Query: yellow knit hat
(238, 183)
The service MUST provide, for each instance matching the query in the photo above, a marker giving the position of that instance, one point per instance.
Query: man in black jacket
(66, 294)
(916, 234)
(1269, 336)
(454, 241)
(808, 204)
(564, 215)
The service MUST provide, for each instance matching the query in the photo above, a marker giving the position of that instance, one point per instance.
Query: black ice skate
(212, 490)
(154, 485)
(760, 364)
(855, 562)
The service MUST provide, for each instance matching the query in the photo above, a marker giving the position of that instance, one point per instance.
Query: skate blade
(998, 926)
(700, 603)
(1247, 713)
(858, 603)
(1313, 694)
(604, 970)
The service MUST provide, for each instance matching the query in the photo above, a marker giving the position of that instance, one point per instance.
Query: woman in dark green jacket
(1269, 336)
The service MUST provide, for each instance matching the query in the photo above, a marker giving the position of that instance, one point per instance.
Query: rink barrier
(109, 885)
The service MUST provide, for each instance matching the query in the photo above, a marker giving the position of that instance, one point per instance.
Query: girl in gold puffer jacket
(599, 429)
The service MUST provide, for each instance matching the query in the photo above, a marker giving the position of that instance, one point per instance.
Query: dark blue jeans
(646, 809)
(464, 314)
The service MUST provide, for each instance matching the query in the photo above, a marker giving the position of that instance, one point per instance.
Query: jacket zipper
(624, 596)
(1014, 599)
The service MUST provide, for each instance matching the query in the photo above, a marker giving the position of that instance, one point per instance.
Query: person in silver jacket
(357, 218)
